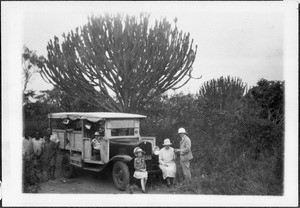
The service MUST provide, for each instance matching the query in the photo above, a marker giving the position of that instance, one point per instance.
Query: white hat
(97, 133)
(88, 126)
(181, 131)
(167, 142)
(137, 150)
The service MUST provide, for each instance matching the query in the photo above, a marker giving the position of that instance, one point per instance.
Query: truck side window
(122, 132)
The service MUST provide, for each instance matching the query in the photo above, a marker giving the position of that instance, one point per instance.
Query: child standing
(140, 168)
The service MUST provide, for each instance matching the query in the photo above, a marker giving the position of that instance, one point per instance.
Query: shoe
(144, 191)
(168, 185)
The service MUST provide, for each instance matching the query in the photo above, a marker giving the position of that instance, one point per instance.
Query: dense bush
(31, 177)
(236, 148)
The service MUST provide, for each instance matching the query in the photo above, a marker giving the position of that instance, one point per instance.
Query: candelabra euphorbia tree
(120, 62)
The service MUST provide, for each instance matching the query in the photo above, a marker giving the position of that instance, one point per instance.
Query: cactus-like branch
(119, 62)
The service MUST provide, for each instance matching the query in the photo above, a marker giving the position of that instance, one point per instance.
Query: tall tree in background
(120, 63)
(222, 92)
(30, 65)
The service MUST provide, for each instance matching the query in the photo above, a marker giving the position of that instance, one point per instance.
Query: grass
(245, 177)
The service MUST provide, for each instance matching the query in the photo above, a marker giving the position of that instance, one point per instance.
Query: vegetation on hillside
(237, 134)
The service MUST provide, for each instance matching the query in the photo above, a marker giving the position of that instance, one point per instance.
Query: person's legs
(49, 172)
(186, 170)
(40, 164)
(53, 172)
(168, 181)
(143, 184)
(172, 181)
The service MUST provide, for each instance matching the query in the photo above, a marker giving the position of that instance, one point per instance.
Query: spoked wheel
(121, 176)
(66, 167)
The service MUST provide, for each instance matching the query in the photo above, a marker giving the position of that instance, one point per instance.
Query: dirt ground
(85, 182)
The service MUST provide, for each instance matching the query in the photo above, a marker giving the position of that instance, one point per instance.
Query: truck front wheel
(121, 176)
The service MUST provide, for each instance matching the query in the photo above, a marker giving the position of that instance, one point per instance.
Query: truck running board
(94, 161)
(93, 169)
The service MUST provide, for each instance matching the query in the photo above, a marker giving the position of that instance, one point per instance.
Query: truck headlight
(155, 150)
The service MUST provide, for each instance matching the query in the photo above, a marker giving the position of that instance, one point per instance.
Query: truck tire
(120, 175)
(66, 167)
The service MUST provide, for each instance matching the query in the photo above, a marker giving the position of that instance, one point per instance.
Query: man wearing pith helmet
(185, 153)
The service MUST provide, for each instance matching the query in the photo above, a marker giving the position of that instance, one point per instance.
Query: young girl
(140, 168)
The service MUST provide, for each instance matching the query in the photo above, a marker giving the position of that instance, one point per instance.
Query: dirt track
(84, 183)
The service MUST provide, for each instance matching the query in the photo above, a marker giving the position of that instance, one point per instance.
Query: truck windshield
(122, 132)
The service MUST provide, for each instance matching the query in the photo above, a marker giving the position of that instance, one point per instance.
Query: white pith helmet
(167, 142)
(181, 131)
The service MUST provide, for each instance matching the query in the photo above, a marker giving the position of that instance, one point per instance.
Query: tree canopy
(222, 92)
(269, 96)
(31, 64)
(120, 62)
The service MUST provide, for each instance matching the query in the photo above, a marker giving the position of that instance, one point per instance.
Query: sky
(244, 41)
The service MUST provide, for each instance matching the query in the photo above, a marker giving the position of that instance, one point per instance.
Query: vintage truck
(120, 134)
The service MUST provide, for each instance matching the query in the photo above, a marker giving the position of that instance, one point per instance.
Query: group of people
(167, 164)
(42, 152)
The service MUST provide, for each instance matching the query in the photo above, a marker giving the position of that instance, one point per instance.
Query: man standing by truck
(53, 137)
(185, 154)
(50, 157)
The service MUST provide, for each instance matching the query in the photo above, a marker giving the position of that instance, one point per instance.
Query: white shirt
(96, 144)
(38, 146)
(54, 138)
(27, 147)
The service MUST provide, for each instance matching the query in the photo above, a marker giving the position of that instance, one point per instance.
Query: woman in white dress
(167, 162)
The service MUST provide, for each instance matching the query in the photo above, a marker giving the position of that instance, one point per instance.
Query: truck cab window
(122, 132)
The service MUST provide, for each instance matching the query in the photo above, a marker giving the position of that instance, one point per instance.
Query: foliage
(236, 150)
(119, 62)
(31, 177)
(29, 59)
(30, 65)
(221, 92)
(35, 117)
(166, 114)
(269, 95)
(50, 101)
(64, 102)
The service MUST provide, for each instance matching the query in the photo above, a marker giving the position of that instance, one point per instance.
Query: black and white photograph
(136, 103)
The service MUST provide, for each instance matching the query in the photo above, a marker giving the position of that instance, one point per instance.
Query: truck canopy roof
(94, 116)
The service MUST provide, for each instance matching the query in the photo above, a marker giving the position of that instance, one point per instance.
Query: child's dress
(140, 168)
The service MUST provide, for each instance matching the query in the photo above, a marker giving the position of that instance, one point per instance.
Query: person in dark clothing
(50, 152)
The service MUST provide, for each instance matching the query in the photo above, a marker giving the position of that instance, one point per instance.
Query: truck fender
(124, 158)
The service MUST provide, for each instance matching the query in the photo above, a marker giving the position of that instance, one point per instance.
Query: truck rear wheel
(66, 167)
(120, 175)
